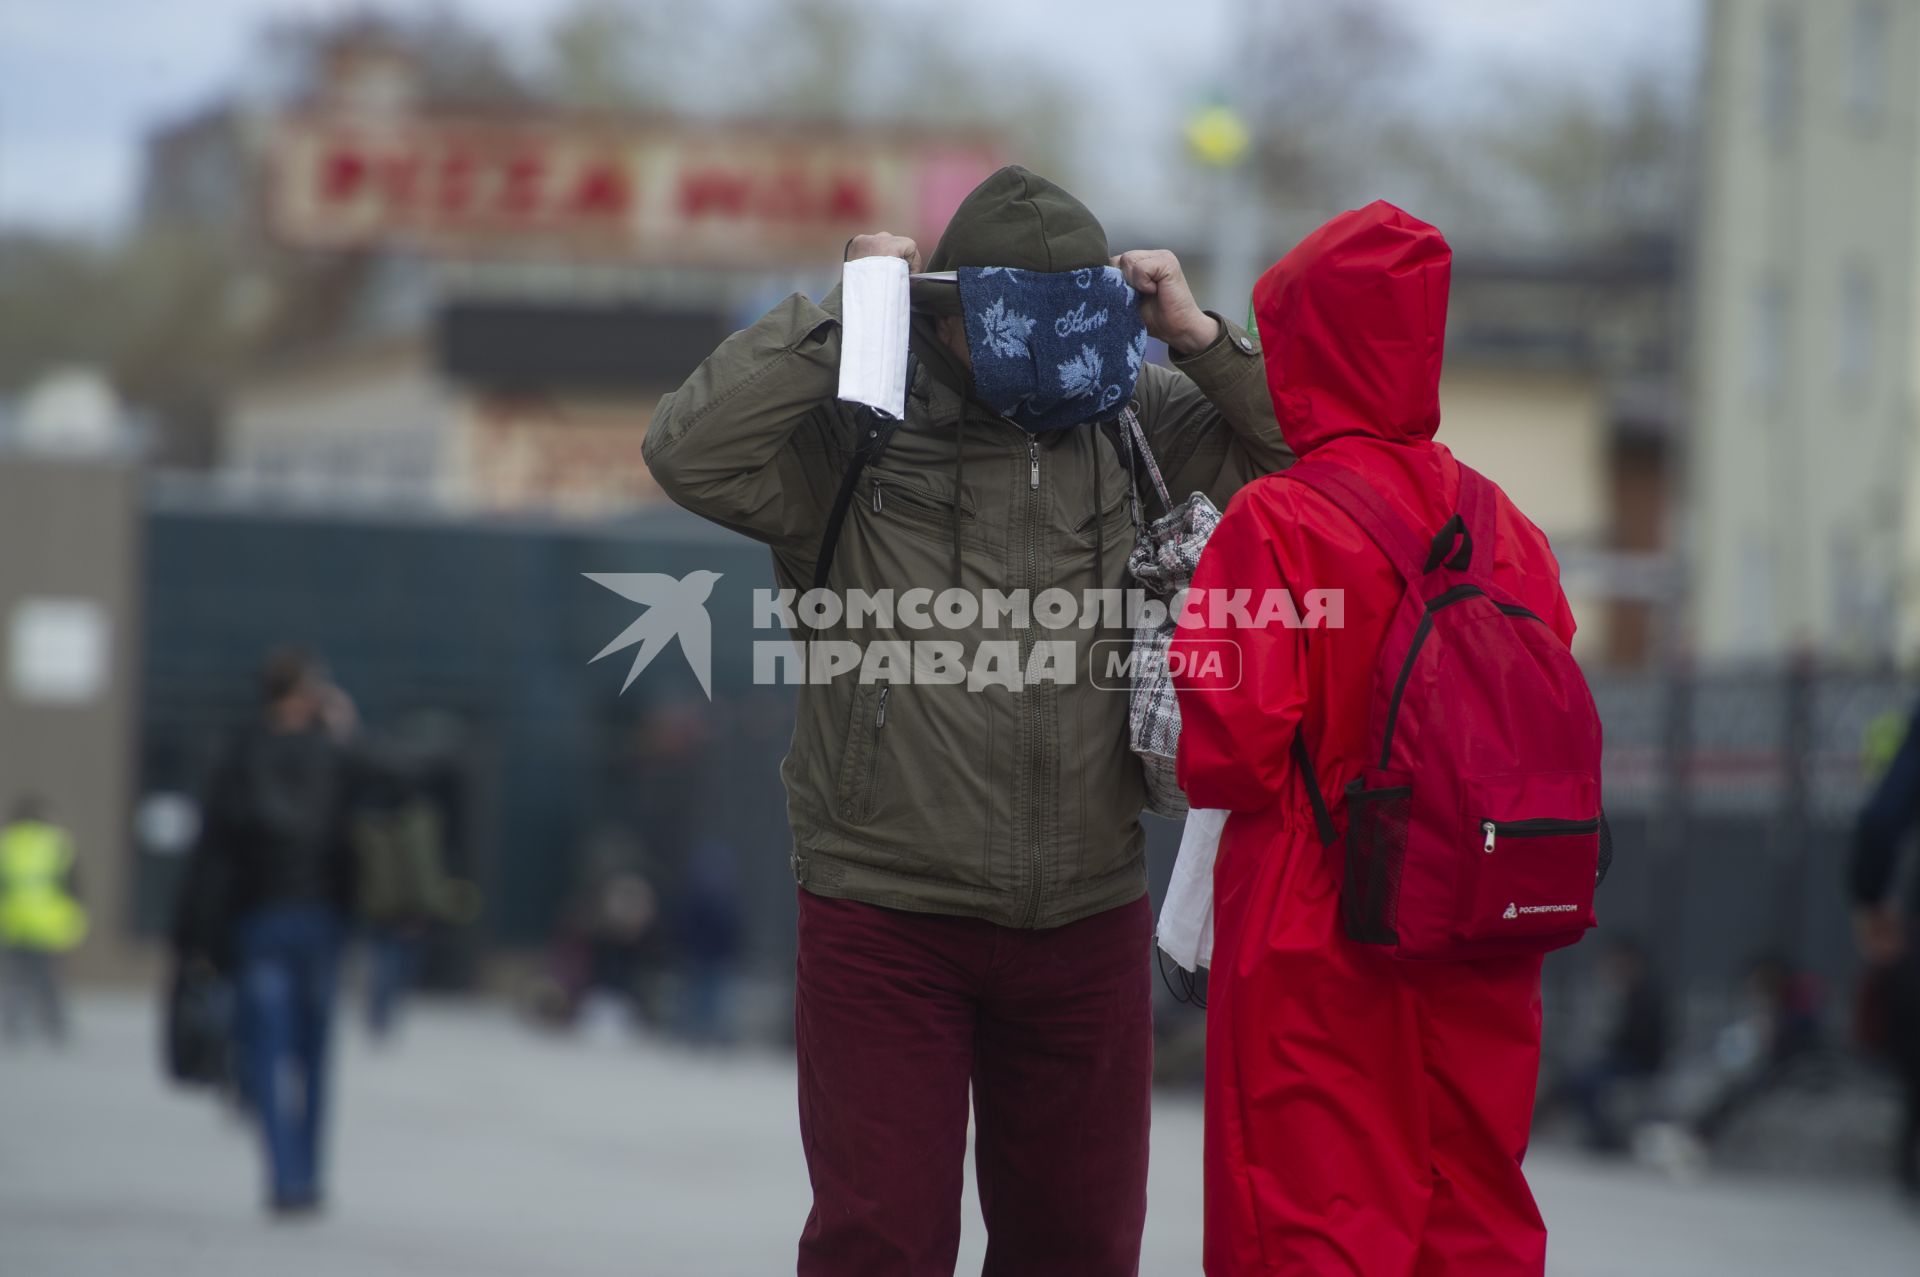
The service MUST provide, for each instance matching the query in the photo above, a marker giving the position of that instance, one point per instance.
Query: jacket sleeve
(1238, 716)
(1211, 424)
(755, 438)
(1885, 821)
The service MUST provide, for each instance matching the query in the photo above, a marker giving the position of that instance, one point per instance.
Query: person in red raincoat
(1364, 1115)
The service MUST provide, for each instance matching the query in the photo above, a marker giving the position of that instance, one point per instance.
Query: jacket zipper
(873, 765)
(1438, 601)
(1028, 725)
(1543, 827)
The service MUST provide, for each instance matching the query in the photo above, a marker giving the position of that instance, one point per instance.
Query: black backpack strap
(1322, 817)
(873, 442)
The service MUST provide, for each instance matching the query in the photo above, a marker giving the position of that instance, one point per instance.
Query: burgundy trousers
(898, 1014)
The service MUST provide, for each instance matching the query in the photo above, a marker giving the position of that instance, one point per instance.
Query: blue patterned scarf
(1052, 350)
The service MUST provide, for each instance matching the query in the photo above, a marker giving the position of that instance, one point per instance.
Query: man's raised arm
(1211, 423)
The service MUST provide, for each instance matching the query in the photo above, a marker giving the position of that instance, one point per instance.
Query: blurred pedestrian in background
(269, 892)
(1633, 1050)
(608, 951)
(1884, 926)
(707, 913)
(1763, 1049)
(973, 911)
(40, 916)
(1775, 1043)
(397, 832)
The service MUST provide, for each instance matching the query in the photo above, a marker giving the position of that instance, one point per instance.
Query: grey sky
(81, 83)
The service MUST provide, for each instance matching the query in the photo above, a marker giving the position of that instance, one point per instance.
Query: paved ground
(476, 1148)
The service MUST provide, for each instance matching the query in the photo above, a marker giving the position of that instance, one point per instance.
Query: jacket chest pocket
(916, 505)
(862, 757)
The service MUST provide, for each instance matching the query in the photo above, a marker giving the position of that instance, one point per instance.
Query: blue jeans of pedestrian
(289, 960)
(392, 956)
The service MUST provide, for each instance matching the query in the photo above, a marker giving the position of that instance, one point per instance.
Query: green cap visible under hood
(1015, 218)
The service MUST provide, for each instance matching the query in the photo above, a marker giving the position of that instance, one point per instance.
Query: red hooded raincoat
(1364, 1115)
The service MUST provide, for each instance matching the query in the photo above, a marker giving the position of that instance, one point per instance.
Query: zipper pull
(1488, 827)
(876, 496)
(1033, 455)
(880, 714)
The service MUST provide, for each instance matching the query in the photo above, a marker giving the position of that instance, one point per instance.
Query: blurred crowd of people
(1781, 1041)
(315, 833)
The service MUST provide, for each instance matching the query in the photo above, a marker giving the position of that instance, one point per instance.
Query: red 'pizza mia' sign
(725, 196)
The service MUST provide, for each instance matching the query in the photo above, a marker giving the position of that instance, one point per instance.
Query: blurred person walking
(709, 932)
(1367, 1113)
(1884, 928)
(1634, 1049)
(397, 834)
(972, 888)
(268, 895)
(40, 917)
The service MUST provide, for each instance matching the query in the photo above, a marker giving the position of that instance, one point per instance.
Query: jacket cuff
(1233, 355)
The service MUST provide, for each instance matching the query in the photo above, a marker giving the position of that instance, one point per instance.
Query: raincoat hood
(1353, 323)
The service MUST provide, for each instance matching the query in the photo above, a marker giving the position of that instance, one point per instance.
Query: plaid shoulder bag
(1165, 553)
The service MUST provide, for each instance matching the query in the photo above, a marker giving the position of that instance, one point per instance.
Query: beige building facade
(1803, 489)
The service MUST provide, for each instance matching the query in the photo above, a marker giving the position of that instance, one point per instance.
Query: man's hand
(1166, 303)
(883, 244)
(1879, 934)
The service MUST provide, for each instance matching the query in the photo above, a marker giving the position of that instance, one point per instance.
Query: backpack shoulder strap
(1356, 499)
(1478, 508)
(1303, 763)
(877, 433)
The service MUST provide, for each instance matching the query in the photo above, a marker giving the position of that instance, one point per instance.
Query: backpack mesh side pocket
(1376, 849)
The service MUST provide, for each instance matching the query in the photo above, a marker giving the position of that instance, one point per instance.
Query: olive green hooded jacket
(1018, 804)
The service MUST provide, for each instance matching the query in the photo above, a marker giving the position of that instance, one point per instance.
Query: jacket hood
(1353, 324)
(1017, 218)
(1013, 218)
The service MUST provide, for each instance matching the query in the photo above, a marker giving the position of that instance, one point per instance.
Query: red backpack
(1475, 829)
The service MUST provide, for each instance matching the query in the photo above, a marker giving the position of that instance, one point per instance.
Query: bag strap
(1322, 815)
(879, 433)
(1134, 437)
(1356, 499)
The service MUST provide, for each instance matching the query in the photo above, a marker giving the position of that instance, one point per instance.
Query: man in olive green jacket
(969, 855)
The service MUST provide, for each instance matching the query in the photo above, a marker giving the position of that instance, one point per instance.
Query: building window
(1867, 73)
(1855, 356)
(1779, 85)
(1766, 367)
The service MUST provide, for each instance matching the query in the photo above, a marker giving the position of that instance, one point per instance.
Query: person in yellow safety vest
(40, 918)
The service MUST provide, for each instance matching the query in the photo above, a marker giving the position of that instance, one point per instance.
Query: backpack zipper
(1542, 827)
